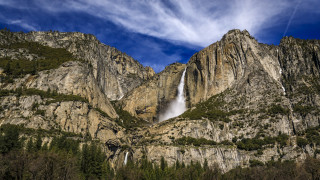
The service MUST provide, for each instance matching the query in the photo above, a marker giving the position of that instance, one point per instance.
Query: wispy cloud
(291, 17)
(22, 24)
(18, 22)
(183, 21)
(170, 24)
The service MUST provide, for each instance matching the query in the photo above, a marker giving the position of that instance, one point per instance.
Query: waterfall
(126, 159)
(280, 72)
(178, 105)
(283, 89)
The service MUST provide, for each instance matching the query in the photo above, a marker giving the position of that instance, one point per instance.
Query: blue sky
(158, 33)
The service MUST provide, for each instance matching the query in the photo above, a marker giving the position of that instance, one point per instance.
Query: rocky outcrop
(258, 76)
(76, 117)
(251, 90)
(300, 63)
(224, 63)
(116, 72)
(147, 100)
(236, 89)
(71, 78)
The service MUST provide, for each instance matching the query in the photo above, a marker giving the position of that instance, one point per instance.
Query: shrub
(303, 110)
(194, 141)
(102, 112)
(301, 142)
(277, 109)
(49, 58)
(40, 112)
(257, 143)
(254, 163)
(210, 109)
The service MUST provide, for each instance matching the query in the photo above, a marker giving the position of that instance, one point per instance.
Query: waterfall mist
(178, 105)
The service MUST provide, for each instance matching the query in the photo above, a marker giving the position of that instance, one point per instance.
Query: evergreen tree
(9, 138)
(38, 143)
(163, 163)
(84, 166)
(205, 164)
(183, 165)
(7, 69)
(177, 164)
(30, 145)
(107, 171)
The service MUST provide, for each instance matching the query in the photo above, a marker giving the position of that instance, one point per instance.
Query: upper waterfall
(178, 105)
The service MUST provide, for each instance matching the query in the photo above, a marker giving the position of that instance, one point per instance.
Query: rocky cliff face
(240, 89)
(247, 101)
(225, 63)
(116, 72)
(147, 100)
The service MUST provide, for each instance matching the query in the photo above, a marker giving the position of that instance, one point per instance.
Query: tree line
(31, 158)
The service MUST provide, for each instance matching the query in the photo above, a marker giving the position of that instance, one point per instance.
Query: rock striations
(246, 100)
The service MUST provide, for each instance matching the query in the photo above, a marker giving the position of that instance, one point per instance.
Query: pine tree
(30, 145)
(84, 164)
(183, 165)
(107, 171)
(205, 165)
(9, 139)
(177, 164)
(38, 143)
(162, 163)
(7, 69)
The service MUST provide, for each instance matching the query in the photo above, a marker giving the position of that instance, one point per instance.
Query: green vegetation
(313, 135)
(42, 132)
(147, 170)
(275, 109)
(44, 94)
(277, 170)
(211, 109)
(104, 114)
(49, 58)
(63, 158)
(9, 139)
(309, 136)
(193, 141)
(125, 119)
(258, 143)
(302, 142)
(254, 163)
(257, 170)
(199, 142)
(303, 109)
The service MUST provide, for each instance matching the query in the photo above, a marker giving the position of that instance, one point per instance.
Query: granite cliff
(246, 100)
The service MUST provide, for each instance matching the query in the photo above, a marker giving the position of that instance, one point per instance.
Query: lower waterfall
(126, 159)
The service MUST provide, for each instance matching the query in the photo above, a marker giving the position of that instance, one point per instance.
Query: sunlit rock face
(153, 97)
(225, 63)
(115, 72)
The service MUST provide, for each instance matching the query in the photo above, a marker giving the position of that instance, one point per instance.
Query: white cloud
(25, 25)
(198, 23)
(22, 24)
(183, 21)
